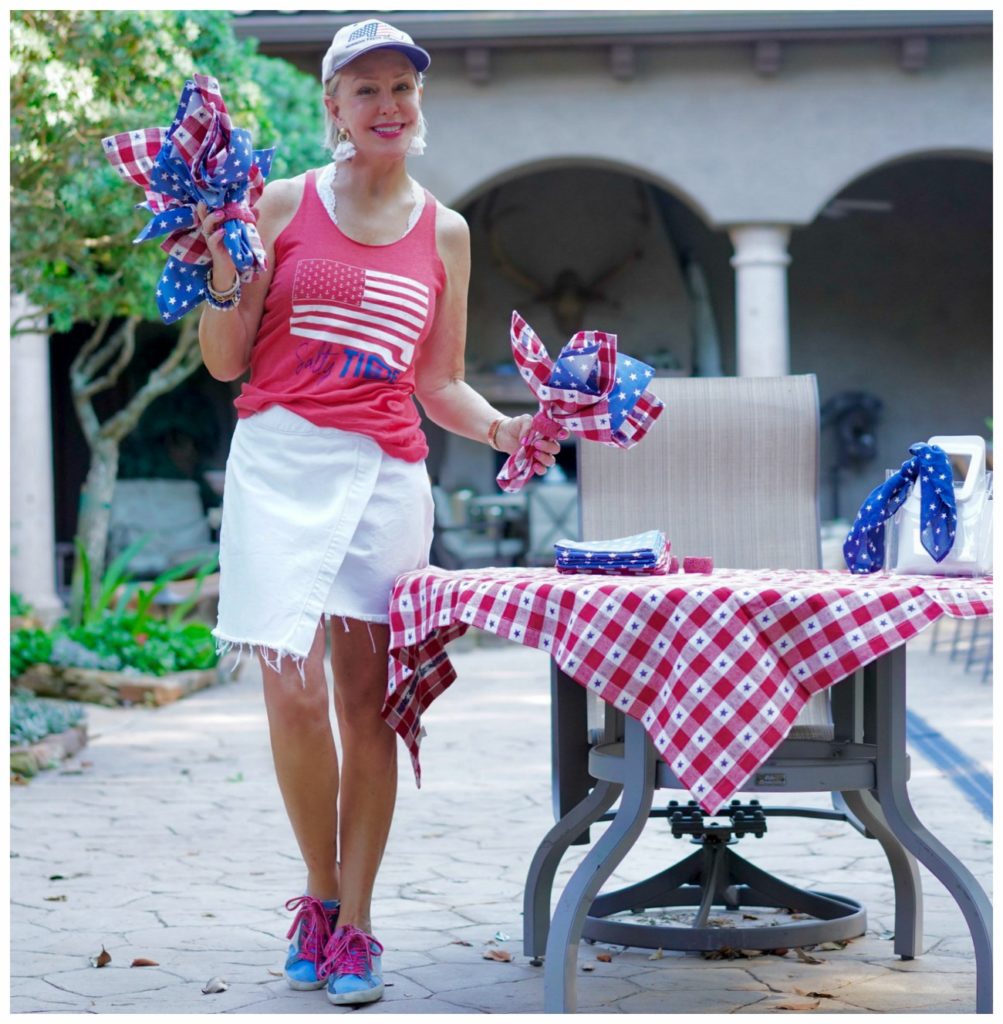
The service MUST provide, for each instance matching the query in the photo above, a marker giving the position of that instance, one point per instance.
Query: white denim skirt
(316, 521)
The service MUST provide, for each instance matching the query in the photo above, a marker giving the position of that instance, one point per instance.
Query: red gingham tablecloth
(717, 666)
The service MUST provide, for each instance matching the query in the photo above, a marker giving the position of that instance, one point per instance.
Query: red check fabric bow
(591, 390)
(201, 157)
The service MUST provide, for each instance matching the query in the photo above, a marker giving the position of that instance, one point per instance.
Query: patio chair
(553, 516)
(169, 514)
(458, 543)
(729, 471)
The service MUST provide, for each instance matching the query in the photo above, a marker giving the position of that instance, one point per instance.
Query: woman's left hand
(511, 432)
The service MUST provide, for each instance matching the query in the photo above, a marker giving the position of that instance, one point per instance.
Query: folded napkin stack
(644, 554)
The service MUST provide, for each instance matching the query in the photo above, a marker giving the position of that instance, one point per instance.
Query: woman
(327, 497)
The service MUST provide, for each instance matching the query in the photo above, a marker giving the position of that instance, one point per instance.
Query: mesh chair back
(729, 470)
(552, 510)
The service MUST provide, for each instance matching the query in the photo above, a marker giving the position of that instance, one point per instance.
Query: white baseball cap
(354, 40)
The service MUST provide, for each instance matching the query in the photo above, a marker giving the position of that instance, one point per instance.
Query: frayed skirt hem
(381, 620)
(271, 656)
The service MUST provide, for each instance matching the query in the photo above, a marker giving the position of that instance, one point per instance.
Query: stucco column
(32, 521)
(760, 262)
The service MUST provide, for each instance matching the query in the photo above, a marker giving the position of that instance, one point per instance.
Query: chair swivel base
(716, 876)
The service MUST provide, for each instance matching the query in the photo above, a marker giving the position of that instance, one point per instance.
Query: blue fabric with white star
(180, 177)
(639, 551)
(172, 176)
(864, 548)
(578, 369)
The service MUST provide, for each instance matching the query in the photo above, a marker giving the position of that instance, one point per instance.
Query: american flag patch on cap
(373, 30)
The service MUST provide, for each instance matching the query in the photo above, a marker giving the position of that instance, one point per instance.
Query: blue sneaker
(353, 967)
(312, 927)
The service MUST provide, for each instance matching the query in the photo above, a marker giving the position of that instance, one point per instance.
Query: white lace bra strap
(325, 191)
(419, 206)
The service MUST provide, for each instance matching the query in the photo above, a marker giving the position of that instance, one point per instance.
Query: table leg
(559, 994)
(540, 880)
(885, 680)
(852, 723)
(569, 746)
(908, 941)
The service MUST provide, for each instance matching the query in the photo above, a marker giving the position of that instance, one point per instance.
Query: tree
(76, 77)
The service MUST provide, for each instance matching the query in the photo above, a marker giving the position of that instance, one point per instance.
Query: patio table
(712, 668)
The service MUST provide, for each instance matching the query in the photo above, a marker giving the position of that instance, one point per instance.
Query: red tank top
(342, 325)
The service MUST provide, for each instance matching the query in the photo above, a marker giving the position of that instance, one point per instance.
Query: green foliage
(155, 647)
(294, 108)
(116, 642)
(77, 76)
(28, 647)
(18, 605)
(117, 631)
(94, 606)
(33, 718)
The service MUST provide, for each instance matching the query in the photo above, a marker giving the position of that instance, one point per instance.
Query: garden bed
(28, 759)
(114, 689)
(43, 732)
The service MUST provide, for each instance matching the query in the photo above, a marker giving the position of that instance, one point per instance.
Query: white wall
(740, 146)
(897, 304)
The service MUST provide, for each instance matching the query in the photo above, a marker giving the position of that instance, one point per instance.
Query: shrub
(118, 631)
(28, 647)
(33, 718)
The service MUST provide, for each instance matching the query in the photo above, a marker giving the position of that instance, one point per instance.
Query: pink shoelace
(350, 951)
(313, 916)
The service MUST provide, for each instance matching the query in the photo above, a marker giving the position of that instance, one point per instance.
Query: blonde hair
(331, 129)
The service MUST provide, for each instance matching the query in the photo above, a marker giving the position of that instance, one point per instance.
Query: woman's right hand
(223, 268)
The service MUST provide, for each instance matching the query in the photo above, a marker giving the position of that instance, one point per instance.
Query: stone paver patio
(165, 839)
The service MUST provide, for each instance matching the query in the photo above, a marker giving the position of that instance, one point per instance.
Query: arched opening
(585, 247)
(891, 297)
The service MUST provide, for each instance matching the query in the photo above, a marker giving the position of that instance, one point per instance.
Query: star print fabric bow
(201, 157)
(864, 548)
(590, 390)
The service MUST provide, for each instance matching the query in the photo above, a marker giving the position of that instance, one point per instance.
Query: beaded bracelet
(223, 301)
(222, 296)
(225, 306)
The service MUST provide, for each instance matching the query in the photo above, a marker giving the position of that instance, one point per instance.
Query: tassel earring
(345, 149)
(417, 144)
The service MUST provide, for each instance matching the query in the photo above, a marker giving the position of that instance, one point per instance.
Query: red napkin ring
(542, 426)
(240, 211)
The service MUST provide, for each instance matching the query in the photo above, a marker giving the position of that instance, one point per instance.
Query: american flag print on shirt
(377, 312)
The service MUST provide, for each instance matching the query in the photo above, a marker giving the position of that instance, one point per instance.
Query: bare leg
(369, 751)
(306, 763)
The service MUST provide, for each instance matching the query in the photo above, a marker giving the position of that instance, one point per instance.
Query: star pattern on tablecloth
(717, 672)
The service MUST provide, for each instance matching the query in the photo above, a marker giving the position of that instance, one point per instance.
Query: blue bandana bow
(864, 549)
(200, 158)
